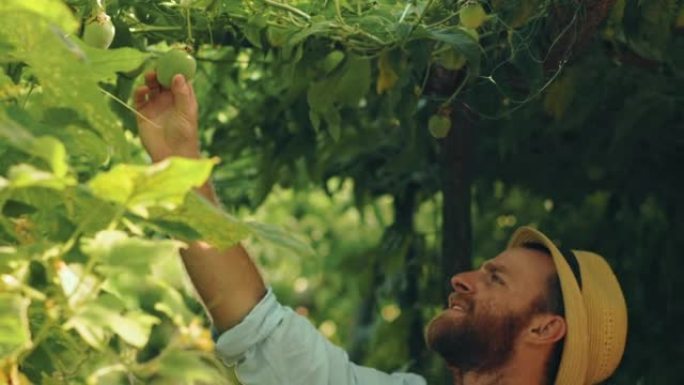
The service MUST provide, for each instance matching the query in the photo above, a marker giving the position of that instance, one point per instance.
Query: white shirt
(273, 345)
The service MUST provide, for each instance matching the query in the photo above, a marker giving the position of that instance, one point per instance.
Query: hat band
(574, 265)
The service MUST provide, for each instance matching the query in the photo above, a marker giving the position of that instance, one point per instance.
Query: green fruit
(99, 32)
(174, 62)
(451, 60)
(331, 61)
(439, 126)
(472, 15)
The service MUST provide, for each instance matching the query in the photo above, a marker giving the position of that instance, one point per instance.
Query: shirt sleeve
(273, 345)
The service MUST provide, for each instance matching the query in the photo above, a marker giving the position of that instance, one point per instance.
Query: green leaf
(354, 81)
(98, 318)
(186, 367)
(55, 11)
(59, 64)
(162, 184)
(105, 63)
(89, 324)
(211, 223)
(462, 42)
(84, 146)
(253, 29)
(91, 213)
(14, 330)
(48, 148)
(344, 88)
(25, 175)
(171, 304)
(117, 253)
(134, 327)
(279, 237)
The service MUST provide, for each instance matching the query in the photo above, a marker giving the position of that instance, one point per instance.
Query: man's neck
(527, 371)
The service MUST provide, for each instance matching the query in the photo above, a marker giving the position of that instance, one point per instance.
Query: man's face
(488, 309)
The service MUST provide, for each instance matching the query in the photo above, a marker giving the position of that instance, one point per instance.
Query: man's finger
(193, 98)
(151, 80)
(140, 96)
(182, 94)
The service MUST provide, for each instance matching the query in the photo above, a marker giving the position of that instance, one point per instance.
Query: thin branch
(133, 110)
(289, 8)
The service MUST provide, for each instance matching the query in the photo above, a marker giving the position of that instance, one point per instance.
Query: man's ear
(546, 329)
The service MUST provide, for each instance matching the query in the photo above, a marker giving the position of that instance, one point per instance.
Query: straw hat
(595, 312)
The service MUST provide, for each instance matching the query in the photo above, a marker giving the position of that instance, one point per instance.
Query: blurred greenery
(566, 115)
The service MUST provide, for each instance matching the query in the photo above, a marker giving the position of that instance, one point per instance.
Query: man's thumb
(181, 92)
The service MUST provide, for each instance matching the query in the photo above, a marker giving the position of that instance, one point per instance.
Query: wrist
(190, 153)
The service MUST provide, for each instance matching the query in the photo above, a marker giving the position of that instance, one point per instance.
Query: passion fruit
(472, 15)
(99, 31)
(439, 126)
(174, 62)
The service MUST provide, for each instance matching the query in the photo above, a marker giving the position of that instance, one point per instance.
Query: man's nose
(461, 284)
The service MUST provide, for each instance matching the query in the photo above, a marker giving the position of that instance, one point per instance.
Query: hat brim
(575, 358)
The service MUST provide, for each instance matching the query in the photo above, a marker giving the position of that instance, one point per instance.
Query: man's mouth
(457, 304)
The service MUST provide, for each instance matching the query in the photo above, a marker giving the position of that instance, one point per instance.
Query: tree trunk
(456, 184)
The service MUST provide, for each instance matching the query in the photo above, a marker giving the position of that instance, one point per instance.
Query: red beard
(475, 340)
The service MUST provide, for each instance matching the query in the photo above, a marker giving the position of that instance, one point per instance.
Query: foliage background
(569, 118)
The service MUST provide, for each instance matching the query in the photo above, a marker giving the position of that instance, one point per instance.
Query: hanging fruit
(99, 31)
(439, 126)
(472, 15)
(175, 61)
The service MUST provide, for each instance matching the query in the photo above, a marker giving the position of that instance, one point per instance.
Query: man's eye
(495, 278)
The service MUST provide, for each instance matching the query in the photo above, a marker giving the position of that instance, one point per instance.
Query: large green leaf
(117, 253)
(48, 148)
(104, 64)
(210, 223)
(187, 368)
(344, 88)
(163, 184)
(14, 331)
(54, 11)
(461, 41)
(26, 175)
(97, 320)
(279, 237)
(62, 69)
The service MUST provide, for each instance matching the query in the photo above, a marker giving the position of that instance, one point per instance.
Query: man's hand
(169, 126)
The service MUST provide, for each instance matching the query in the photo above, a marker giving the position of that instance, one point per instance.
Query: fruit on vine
(174, 62)
(472, 15)
(439, 126)
(99, 32)
(451, 60)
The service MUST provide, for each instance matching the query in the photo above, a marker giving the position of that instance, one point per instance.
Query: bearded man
(533, 315)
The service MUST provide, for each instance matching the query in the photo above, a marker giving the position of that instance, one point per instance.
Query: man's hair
(551, 301)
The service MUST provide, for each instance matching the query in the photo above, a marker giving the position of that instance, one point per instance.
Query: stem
(420, 19)
(338, 11)
(28, 95)
(403, 14)
(138, 114)
(458, 90)
(39, 337)
(99, 6)
(189, 24)
(425, 79)
(154, 28)
(289, 8)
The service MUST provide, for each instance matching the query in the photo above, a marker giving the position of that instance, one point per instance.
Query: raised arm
(227, 281)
